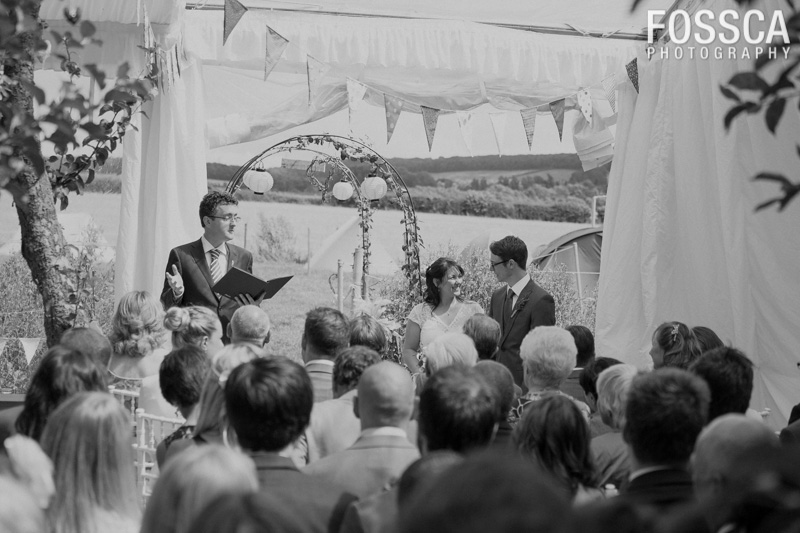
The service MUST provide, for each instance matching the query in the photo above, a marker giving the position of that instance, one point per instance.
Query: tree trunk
(43, 244)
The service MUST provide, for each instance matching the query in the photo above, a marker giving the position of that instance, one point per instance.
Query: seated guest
(447, 349)
(366, 331)
(89, 341)
(195, 326)
(499, 377)
(19, 511)
(325, 333)
(248, 512)
(485, 333)
(554, 435)
(191, 482)
(548, 357)
(334, 425)
(457, 501)
(458, 411)
(61, 374)
(584, 342)
(181, 378)
(717, 463)
(729, 376)
(609, 450)
(384, 405)
(269, 402)
(588, 382)
(666, 411)
(707, 339)
(674, 345)
(212, 423)
(88, 439)
(249, 324)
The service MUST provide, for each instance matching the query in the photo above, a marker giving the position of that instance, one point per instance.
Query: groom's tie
(507, 308)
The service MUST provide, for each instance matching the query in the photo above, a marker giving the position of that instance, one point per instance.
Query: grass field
(560, 175)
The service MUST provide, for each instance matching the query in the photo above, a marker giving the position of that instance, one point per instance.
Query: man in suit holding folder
(518, 307)
(194, 268)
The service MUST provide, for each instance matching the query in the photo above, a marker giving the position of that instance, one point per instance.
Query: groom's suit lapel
(515, 312)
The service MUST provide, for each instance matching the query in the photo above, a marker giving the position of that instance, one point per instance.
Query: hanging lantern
(258, 179)
(374, 187)
(342, 190)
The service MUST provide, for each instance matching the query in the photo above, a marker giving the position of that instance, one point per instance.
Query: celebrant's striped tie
(216, 265)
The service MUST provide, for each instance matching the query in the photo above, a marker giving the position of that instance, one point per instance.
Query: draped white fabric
(681, 238)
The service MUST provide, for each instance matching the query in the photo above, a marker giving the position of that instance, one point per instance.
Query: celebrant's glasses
(227, 218)
(498, 263)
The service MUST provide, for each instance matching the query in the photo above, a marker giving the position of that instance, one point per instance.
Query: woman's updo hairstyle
(190, 324)
(437, 270)
(679, 343)
(137, 326)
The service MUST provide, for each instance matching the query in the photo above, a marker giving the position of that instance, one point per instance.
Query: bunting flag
(29, 346)
(234, 11)
(610, 88)
(529, 123)
(276, 44)
(393, 106)
(316, 70)
(557, 109)
(465, 123)
(499, 121)
(585, 103)
(430, 117)
(355, 94)
(633, 73)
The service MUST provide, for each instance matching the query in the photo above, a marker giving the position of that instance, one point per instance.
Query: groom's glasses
(227, 218)
(492, 265)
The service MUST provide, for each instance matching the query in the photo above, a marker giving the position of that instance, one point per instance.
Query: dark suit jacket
(197, 281)
(534, 307)
(661, 489)
(791, 433)
(572, 386)
(319, 505)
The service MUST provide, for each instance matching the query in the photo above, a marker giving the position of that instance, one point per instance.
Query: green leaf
(774, 113)
(116, 95)
(87, 29)
(36, 92)
(90, 177)
(730, 95)
(749, 81)
(736, 110)
(122, 71)
(98, 75)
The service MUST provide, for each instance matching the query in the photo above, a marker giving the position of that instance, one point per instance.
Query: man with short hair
(666, 411)
(268, 402)
(584, 342)
(334, 425)
(518, 307)
(194, 268)
(326, 332)
(384, 405)
(249, 325)
(485, 333)
(729, 375)
(500, 379)
(90, 342)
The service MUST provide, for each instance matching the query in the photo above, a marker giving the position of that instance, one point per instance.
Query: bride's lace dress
(431, 326)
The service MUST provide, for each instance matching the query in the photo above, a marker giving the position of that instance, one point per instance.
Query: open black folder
(237, 282)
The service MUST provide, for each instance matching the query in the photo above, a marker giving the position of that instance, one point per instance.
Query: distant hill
(490, 162)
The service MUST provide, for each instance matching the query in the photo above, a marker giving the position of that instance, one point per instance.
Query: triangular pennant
(29, 346)
(585, 104)
(529, 123)
(633, 73)
(610, 88)
(234, 11)
(276, 44)
(316, 70)
(430, 117)
(465, 123)
(557, 109)
(392, 106)
(355, 94)
(499, 121)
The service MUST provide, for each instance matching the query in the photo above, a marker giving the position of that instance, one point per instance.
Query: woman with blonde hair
(88, 438)
(193, 480)
(138, 339)
(212, 424)
(609, 450)
(194, 326)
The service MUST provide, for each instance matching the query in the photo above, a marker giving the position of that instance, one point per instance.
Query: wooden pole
(308, 253)
(339, 287)
(578, 274)
(358, 272)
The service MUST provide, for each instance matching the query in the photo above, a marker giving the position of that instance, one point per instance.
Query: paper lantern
(342, 190)
(374, 188)
(258, 180)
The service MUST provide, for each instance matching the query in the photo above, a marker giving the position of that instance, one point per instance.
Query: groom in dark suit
(518, 307)
(192, 269)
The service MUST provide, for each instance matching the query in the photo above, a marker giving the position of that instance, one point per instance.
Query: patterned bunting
(610, 88)
(276, 44)
(234, 11)
(557, 109)
(316, 70)
(393, 106)
(430, 117)
(499, 121)
(585, 103)
(355, 94)
(465, 123)
(633, 73)
(529, 123)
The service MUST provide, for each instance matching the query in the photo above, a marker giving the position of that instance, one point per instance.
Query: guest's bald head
(250, 325)
(385, 396)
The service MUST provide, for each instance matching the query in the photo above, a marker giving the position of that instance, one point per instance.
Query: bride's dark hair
(437, 270)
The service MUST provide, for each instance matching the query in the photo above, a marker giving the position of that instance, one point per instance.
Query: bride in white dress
(444, 309)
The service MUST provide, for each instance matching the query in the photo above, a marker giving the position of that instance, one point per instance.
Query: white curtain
(681, 238)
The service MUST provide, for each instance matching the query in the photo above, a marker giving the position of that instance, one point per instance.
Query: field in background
(560, 175)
